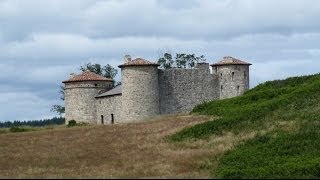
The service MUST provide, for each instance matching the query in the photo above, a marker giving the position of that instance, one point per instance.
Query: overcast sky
(43, 41)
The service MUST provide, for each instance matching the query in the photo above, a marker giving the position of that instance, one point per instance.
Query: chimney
(127, 58)
(72, 75)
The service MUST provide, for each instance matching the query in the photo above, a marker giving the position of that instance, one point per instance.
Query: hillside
(280, 125)
(117, 151)
(272, 131)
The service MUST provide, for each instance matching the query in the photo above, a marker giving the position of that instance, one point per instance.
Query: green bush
(72, 123)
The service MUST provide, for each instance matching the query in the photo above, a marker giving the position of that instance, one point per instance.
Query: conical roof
(228, 60)
(139, 62)
(87, 76)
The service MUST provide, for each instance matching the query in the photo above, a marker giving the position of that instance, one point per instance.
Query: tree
(166, 61)
(58, 109)
(106, 71)
(109, 71)
(181, 60)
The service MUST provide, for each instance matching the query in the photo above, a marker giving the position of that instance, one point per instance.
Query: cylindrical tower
(140, 89)
(80, 91)
(233, 76)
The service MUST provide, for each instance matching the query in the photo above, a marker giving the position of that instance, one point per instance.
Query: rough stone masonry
(148, 91)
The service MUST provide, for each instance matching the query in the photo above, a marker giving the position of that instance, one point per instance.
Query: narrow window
(112, 119)
(221, 88)
(238, 89)
(245, 75)
(221, 75)
(232, 77)
(102, 119)
(216, 69)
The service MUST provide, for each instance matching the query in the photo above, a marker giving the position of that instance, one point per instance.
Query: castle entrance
(112, 119)
(102, 119)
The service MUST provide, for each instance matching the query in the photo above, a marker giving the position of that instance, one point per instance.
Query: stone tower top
(138, 62)
(228, 60)
(86, 76)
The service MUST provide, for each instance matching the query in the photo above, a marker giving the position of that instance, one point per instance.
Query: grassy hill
(272, 131)
(280, 121)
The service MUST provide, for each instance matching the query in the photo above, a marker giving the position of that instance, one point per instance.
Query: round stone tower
(140, 89)
(80, 91)
(233, 76)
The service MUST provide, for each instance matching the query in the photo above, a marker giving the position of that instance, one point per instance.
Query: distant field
(124, 150)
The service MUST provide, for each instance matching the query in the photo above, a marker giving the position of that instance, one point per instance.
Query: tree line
(180, 60)
(33, 123)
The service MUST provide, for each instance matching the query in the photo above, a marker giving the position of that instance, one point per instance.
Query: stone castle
(147, 91)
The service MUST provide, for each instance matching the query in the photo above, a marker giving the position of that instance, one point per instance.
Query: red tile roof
(228, 60)
(139, 62)
(87, 76)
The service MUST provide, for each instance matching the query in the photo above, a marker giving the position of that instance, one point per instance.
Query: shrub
(72, 123)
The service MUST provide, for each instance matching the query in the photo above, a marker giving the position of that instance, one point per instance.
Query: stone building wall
(182, 89)
(140, 92)
(234, 80)
(80, 100)
(108, 107)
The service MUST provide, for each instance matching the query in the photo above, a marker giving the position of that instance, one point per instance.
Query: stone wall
(182, 89)
(80, 100)
(108, 106)
(234, 80)
(140, 92)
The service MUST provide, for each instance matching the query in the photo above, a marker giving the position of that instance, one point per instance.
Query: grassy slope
(286, 115)
(118, 151)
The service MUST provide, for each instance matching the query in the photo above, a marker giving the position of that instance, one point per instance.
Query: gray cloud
(191, 19)
(42, 42)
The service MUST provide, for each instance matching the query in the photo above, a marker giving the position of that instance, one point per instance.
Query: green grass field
(284, 115)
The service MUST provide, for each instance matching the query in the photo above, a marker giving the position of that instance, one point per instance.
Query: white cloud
(24, 106)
